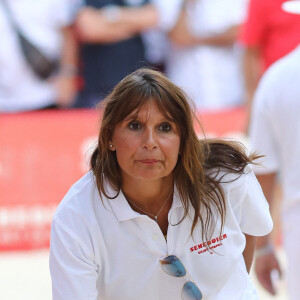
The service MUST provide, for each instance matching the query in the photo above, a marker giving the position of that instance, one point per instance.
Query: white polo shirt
(211, 76)
(108, 251)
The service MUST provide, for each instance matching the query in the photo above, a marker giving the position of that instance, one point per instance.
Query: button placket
(158, 235)
(153, 236)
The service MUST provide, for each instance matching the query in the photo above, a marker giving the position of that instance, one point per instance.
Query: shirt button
(154, 236)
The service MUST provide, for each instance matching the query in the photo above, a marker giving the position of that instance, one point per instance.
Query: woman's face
(147, 146)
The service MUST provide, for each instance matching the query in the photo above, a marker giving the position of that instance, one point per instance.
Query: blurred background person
(111, 45)
(268, 34)
(204, 58)
(156, 46)
(275, 133)
(46, 24)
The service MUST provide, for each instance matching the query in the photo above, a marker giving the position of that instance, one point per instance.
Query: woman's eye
(165, 127)
(134, 126)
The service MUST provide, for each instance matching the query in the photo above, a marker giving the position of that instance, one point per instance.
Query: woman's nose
(150, 140)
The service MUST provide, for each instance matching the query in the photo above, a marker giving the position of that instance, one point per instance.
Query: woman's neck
(148, 194)
(151, 199)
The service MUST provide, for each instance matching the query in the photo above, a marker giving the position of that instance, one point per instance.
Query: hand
(86, 22)
(180, 34)
(264, 265)
(93, 26)
(66, 90)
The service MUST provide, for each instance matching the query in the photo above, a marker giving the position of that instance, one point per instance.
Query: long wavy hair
(199, 159)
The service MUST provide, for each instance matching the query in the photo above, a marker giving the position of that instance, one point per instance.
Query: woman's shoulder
(79, 197)
(232, 180)
(83, 200)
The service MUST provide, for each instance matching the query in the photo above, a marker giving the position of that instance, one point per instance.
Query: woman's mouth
(149, 161)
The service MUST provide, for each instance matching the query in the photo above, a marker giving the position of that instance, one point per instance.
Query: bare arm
(180, 35)
(225, 38)
(267, 182)
(266, 262)
(94, 26)
(65, 81)
(249, 251)
(252, 73)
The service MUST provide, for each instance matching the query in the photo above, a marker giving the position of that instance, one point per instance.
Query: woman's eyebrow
(169, 119)
(133, 116)
(136, 116)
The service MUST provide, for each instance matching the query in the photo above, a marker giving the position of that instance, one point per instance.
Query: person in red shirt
(268, 34)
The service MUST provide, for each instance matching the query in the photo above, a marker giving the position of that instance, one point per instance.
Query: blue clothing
(104, 65)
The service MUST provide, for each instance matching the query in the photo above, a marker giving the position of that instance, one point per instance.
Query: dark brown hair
(200, 160)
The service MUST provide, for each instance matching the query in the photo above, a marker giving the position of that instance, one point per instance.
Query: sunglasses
(174, 267)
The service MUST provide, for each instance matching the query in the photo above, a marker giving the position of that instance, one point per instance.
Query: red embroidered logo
(206, 246)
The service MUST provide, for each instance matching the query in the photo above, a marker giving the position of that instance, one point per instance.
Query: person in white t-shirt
(204, 57)
(162, 214)
(275, 133)
(46, 24)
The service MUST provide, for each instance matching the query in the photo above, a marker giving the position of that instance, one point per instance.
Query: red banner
(43, 153)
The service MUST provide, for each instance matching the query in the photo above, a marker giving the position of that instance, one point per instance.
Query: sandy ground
(25, 276)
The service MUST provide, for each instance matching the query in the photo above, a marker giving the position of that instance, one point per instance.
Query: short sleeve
(168, 11)
(72, 268)
(239, 13)
(254, 27)
(250, 207)
(66, 11)
(234, 16)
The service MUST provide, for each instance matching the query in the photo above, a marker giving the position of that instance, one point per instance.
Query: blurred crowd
(216, 50)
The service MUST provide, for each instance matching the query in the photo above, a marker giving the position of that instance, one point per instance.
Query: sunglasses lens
(191, 292)
(173, 266)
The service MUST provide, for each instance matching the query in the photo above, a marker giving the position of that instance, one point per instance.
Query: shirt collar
(123, 211)
(120, 207)
(176, 199)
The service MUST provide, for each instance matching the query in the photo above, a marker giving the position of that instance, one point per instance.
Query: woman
(162, 214)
